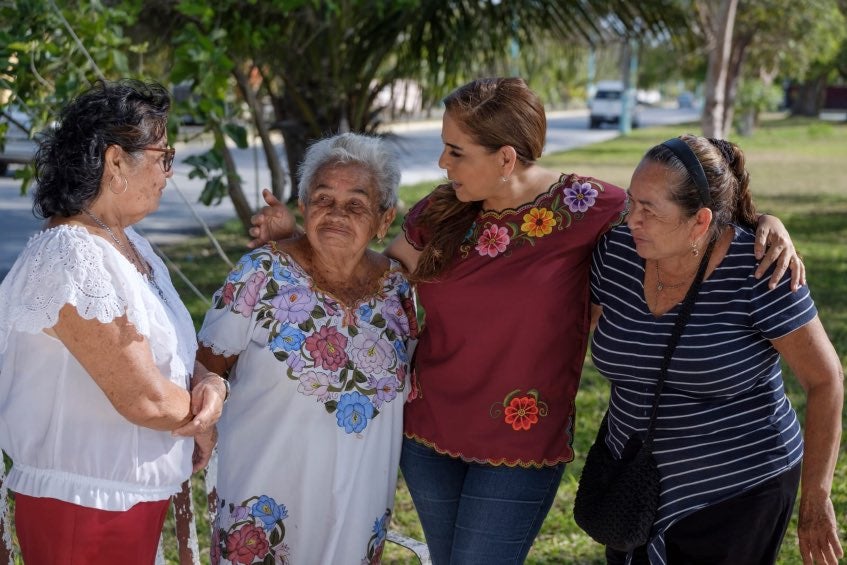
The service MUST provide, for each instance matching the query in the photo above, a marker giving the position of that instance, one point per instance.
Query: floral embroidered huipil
(499, 358)
(310, 436)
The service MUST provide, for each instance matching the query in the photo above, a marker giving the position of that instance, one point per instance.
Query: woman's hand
(274, 221)
(208, 393)
(204, 444)
(774, 245)
(818, 532)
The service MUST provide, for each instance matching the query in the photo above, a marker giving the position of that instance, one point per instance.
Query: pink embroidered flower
(395, 315)
(312, 383)
(326, 347)
(246, 544)
(386, 390)
(492, 241)
(250, 294)
(580, 197)
(369, 353)
(522, 412)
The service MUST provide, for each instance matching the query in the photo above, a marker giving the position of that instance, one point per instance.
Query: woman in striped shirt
(728, 444)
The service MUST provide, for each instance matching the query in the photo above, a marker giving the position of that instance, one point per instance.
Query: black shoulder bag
(617, 499)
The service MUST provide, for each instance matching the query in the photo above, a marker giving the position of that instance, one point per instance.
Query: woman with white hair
(310, 438)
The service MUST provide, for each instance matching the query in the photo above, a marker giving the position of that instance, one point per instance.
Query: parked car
(16, 146)
(685, 100)
(607, 104)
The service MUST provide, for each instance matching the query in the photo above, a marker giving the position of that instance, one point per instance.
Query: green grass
(799, 172)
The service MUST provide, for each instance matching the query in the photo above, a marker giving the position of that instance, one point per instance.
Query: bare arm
(773, 244)
(214, 362)
(814, 361)
(402, 250)
(596, 312)
(120, 361)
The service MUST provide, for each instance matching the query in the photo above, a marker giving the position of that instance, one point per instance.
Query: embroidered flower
(371, 354)
(353, 412)
(400, 349)
(239, 513)
(538, 222)
(281, 553)
(246, 544)
(326, 346)
(386, 390)
(364, 312)
(268, 511)
(250, 262)
(227, 293)
(395, 315)
(289, 338)
(492, 241)
(522, 412)
(295, 362)
(283, 275)
(293, 304)
(314, 384)
(580, 197)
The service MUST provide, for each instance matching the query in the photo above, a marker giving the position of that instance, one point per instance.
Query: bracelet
(226, 386)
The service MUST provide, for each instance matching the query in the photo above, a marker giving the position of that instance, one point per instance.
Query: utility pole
(629, 64)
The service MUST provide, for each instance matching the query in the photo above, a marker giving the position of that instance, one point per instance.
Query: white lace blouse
(65, 439)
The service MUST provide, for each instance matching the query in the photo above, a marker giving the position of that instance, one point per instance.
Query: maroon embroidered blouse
(499, 359)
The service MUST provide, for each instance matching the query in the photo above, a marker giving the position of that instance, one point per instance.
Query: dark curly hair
(70, 159)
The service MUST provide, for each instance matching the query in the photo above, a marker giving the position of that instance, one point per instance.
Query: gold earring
(126, 184)
(694, 250)
(504, 179)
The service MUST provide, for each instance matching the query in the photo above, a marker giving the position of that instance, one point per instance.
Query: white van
(605, 105)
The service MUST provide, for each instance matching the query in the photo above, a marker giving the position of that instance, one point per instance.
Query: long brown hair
(494, 112)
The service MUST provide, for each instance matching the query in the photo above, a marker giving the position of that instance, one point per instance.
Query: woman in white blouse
(96, 349)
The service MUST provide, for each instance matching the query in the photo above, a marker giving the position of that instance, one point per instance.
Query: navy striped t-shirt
(724, 423)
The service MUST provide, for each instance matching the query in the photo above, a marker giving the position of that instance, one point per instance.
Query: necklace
(660, 286)
(146, 271)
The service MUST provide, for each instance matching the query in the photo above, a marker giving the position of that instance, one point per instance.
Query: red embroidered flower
(409, 307)
(522, 413)
(245, 544)
(228, 293)
(327, 348)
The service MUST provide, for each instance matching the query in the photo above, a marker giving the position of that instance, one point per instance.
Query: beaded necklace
(146, 271)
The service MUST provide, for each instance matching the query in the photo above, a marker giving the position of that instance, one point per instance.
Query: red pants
(53, 532)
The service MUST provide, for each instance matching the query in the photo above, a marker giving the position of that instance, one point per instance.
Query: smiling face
(342, 211)
(472, 169)
(657, 223)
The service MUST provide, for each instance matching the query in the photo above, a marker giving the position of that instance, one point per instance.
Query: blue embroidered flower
(400, 348)
(248, 262)
(380, 529)
(353, 412)
(290, 338)
(283, 274)
(365, 312)
(268, 511)
(580, 197)
(404, 287)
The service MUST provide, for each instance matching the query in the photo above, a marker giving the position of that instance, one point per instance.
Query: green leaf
(359, 377)
(281, 355)
(331, 406)
(236, 133)
(378, 321)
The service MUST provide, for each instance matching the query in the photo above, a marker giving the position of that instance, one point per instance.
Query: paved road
(417, 144)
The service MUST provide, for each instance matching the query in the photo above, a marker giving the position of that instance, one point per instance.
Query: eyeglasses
(168, 159)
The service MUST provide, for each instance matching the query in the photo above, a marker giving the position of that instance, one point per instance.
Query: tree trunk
(274, 165)
(736, 61)
(714, 108)
(233, 182)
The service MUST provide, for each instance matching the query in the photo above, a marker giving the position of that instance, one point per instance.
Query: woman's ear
(702, 222)
(112, 161)
(508, 160)
(385, 222)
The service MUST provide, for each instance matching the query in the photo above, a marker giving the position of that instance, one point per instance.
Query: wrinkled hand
(818, 532)
(204, 444)
(208, 393)
(274, 221)
(774, 245)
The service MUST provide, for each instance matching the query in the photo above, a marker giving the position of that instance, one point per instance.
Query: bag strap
(679, 326)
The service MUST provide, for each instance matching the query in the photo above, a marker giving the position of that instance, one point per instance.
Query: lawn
(799, 173)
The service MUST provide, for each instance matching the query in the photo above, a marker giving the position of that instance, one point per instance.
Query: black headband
(692, 164)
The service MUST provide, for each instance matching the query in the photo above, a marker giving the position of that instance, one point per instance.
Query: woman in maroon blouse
(500, 255)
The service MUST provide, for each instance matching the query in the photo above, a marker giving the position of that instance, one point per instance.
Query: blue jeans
(476, 513)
